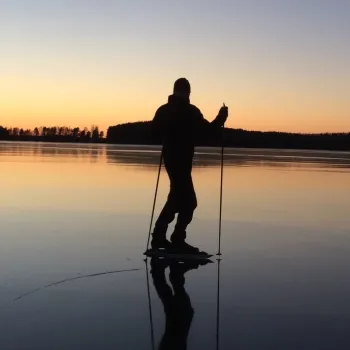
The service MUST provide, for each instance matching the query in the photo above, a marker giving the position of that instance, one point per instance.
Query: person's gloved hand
(223, 114)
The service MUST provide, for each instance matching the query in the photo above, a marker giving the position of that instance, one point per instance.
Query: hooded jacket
(178, 126)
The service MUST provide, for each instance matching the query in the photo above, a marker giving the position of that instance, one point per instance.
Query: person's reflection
(177, 304)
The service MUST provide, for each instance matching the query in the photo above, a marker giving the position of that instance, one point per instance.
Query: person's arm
(209, 131)
(217, 122)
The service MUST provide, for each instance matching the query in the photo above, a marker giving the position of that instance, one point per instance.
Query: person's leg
(186, 209)
(166, 216)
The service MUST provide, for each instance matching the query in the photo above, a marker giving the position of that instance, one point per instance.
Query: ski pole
(155, 199)
(221, 182)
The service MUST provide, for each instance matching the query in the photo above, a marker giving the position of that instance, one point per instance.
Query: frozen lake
(75, 210)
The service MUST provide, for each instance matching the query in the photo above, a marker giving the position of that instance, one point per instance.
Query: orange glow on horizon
(278, 68)
(46, 99)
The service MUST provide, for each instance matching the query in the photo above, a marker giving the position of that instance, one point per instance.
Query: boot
(161, 244)
(180, 245)
(159, 241)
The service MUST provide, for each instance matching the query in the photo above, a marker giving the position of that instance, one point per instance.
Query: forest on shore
(140, 133)
(53, 134)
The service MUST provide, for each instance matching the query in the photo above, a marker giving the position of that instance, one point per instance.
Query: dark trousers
(181, 200)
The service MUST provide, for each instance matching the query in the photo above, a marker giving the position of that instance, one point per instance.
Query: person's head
(182, 87)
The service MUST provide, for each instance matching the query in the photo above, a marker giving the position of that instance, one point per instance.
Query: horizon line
(149, 121)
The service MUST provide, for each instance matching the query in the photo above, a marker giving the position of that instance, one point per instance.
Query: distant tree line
(53, 133)
(141, 133)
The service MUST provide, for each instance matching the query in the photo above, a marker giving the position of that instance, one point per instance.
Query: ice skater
(177, 125)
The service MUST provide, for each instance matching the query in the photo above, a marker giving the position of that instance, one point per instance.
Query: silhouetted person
(178, 124)
(177, 304)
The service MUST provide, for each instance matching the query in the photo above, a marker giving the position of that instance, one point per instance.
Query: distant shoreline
(140, 133)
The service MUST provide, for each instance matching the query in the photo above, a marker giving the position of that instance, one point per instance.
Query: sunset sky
(278, 64)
